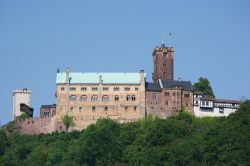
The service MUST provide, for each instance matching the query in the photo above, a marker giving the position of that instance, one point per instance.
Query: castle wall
(33, 126)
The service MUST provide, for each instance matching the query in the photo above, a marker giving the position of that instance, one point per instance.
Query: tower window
(154, 96)
(164, 55)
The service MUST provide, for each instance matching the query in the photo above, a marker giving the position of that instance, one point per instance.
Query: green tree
(68, 121)
(23, 116)
(204, 86)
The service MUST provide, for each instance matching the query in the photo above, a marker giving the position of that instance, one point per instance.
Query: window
(126, 108)
(83, 88)
(116, 88)
(173, 93)
(166, 102)
(72, 98)
(116, 98)
(135, 108)
(62, 88)
(207, 103)
(93, 108)
(166, 93)
(154, 96)
(128, 97)
(71, 109)
(94, 88)
(187, 104)
(105, 88)
(164, 55)
(83, 98)
(72, 89)
(203, 102)
(133, 97)
(164, 64)
(165, 73)
(221, 110)
(196, 102)
(127, 88)
(178, 93)
(105, 98)
(186, 95)
(80, 109)
(106, 108)
(94, 98)
(136, 89)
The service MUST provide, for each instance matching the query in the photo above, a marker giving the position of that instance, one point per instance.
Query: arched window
(80, 109)
(71, 109)
(83, 98)
(72, 98)
(133, 97)
(105, 98)
(128, 97)
(94, 98)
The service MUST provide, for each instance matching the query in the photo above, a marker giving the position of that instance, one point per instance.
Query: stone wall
(39, 125)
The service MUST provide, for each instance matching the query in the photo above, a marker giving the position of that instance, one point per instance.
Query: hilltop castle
(124, 97)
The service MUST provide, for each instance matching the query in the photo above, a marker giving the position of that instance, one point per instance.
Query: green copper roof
(93, 78)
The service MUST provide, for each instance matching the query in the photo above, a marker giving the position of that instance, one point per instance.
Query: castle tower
(20, 97)
(163, 59)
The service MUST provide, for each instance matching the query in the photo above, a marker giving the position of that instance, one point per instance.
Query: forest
(179, 140)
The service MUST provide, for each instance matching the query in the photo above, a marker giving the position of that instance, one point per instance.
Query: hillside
(179, 140)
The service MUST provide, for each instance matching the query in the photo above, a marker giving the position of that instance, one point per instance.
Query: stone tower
(163, 58)
(20, 97)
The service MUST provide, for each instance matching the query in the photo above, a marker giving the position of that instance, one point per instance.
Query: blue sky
(210, 38)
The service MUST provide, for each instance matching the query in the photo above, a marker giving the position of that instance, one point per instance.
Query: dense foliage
(179, 140)
(23, 116)
(203, 85)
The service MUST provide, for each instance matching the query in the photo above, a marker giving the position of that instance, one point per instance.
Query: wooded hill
(179, 140)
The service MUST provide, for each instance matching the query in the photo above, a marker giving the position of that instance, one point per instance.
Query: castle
(124, 97)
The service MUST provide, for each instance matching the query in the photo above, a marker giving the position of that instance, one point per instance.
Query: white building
(20, 97)
(208, 106)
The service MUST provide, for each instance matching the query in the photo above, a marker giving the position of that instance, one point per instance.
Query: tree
(23, 116)
(68, 121)
(204, 86)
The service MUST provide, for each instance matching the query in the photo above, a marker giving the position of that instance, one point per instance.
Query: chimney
(142, 76)
(67, 74)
